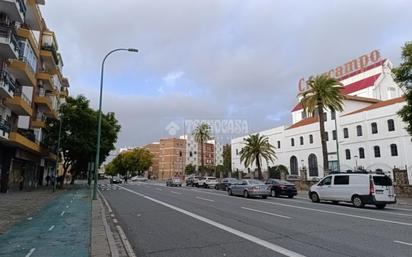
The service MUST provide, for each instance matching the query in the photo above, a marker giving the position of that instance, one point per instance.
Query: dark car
(282, 187)
(225, 183)
(116, 180)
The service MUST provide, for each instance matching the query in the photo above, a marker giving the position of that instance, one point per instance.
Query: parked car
(281, 187)
(116, 180)
(174, 181)
(225, 183)
(139, 178)
(207, 182)
(250, 188)
(192, 181)
(359, 189)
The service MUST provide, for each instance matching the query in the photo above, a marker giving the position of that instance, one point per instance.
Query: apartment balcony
(64, 92)
(20, 104)
(33, 15)
(46, 80)
(15, 9)
(7, 85)
(25, 139)
(4, 129)
(39, 121)
(22, 71)
(9, 46)
(49, 50)
(28, 34)
(45, 105)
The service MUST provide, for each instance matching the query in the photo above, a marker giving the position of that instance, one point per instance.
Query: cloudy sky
(214, 59)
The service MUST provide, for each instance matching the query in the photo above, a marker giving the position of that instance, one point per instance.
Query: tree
(79, 134)
(190, 169)
(403, 76)
(227, 158)
(324, 93)
(257, 147)
(220, 170)
(132, 162)
(277, 171)
(202, 134)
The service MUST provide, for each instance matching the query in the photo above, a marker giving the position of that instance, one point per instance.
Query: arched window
(361, 153)
(391, 125)
(394, 150)
(293, 165)
(345, 133)
(313, 165)
(347, 154)
(374, 128)
(359, 130)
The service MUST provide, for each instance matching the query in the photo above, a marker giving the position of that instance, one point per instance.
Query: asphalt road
(164, 221)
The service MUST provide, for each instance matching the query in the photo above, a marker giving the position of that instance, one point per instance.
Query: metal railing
(29, 134)
(41, 117)
(22, 7)
(4, 125)
(19, 92)
(8, 82)
(7, 31)
(51, 48)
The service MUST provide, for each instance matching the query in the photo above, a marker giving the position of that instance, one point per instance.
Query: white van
(359, 189)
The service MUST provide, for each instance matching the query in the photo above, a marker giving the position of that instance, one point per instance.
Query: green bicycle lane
(61, 229)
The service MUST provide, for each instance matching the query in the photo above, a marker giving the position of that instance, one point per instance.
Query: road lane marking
(159, 189)
(175, 192)
(404, 243)
(51, 228)
(204, 199)
(63, 212)
(253, 239)
(30, 252)
(268, 213)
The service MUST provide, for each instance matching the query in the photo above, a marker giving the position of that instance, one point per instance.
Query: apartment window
(190, 154)
(345, 133)
(326, 136)
(334, 135)
(374, 128)
(311, 139)
(180, 153)
(394, 150)
(347, 154)
(196, 152)
(361, 153)
(292, 142)
(278, 144)
(333, 115)
(301, 140)
(359, 130)
(391, 125)
(377, 151)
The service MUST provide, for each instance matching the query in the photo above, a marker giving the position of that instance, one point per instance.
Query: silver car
(250, 188)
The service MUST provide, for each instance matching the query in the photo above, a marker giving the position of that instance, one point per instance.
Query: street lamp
(99, 126)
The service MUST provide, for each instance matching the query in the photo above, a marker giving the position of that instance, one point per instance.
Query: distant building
(154, 149)
(172, 157)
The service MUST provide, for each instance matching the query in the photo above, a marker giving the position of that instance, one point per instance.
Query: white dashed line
(51, 228)
(159, 189)
(205, 199)
(268, 213)
(63, 212)
(404, 243)
(31, 252)
(175, 192)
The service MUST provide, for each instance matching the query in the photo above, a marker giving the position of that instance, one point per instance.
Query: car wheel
(246, 194)
(290, 196)
(357, 201)
(380, 206)
(314, 197)
(205, 185)
(216, 188)
(229, 192)
(273, 193)
(264, 196)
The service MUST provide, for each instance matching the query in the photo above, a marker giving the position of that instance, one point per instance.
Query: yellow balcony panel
(22, 72)
(28, 34)
(44, 103)
(38, 124)
(33, 15)
(19, 106)
(64, 94)
(46, 79)
(23, 142)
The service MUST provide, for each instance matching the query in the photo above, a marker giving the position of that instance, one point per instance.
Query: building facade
(367, 134)
(172, 156)
(32, 87)
(154, 149)
(212, 152)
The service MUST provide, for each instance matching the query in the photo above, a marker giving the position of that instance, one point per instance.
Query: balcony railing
(8, 82)
(7, 31)
(41, 117)
(51, 48)
(4, 125)
(19, 92)
(22, 7)
(29, 134)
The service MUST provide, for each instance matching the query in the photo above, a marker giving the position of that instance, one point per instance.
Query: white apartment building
(193, 152)
(368, 133)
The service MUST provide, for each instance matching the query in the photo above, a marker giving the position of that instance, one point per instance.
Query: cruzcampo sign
(348, 68)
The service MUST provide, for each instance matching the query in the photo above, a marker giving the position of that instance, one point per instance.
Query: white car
(139, 178)
(357, 188)
(207, 182)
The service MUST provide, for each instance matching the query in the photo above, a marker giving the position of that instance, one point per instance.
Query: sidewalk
(61, 228)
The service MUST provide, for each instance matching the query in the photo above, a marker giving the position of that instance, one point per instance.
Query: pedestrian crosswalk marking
(108, 187)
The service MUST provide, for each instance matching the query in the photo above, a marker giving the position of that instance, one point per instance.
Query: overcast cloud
(214, 59)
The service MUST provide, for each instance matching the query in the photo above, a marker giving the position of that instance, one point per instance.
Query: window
(333, 115)
(180, 153)
(326, 181)
(341, 180)
(325, 116)
(374, 127)
(359, 130)
(391, 125)
(361, 153)
(334, 135)
(347, 154)
(278, 144)
(394, 150)
(326, 136)
(311, 139)
(292, 142)
(293, 165)
(313, 165)
(377, 151)
(304, 114)
(345, 133)
(301, 140)
(237, 152)
(190, 154)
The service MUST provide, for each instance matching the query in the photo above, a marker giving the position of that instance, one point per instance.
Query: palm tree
(202, 134)
(257, 147)
(323, 93)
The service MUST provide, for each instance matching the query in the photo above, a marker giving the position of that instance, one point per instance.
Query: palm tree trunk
(202, 161)
(323, 140)
(260, 176)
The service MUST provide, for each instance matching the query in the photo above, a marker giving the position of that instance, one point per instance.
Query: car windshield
(382, 181)
(255, 182)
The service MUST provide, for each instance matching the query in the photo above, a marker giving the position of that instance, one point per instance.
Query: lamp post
(99, 125)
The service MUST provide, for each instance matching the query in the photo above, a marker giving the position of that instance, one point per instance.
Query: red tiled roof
(297, 107)
(379, 105)
(361, 84)
(305, 122)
